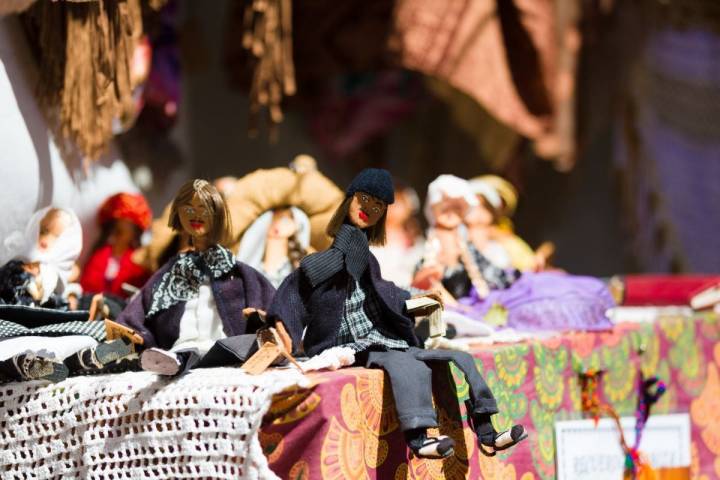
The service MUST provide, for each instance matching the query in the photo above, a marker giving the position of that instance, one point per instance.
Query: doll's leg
(168, 363)
(411, 382)
(481, 397)
(482, 401)
(96, 359)
(28, 366)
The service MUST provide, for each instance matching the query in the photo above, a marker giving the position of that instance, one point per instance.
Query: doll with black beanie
(338, 298)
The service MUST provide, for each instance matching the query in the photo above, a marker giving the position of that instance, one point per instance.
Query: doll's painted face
(52, 226)
(123, 234)
(449, 212)
(195, 217)
(479, 216)
(365, 210)
(282, 225)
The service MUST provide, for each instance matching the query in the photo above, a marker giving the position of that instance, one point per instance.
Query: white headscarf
(55, 263)
(252, 245)
(481, 187)
(447, 186)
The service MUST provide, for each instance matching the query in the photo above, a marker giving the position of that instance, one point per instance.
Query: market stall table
(346, 427)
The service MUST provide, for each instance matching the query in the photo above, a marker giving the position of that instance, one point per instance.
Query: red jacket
(93, 276)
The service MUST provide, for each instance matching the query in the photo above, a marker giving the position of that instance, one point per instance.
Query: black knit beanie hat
(373, 181)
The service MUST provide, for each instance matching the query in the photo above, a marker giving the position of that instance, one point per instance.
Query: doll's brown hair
(375, 234)
(213, 201)
(495, 213)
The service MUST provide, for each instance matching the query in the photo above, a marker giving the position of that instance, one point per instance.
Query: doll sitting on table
(450, 263)
(490, 227)
(276, 242)
(338, 298)
(531, 301)
(34, 286)
(198, 297)
(123, 218)
(42, 260)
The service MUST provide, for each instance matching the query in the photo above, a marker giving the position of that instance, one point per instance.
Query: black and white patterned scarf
(183, 280)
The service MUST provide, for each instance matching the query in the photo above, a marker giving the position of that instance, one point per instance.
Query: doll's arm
(288, 307)
(133, 316)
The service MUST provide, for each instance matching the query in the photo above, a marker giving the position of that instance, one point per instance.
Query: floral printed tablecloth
(345, 427)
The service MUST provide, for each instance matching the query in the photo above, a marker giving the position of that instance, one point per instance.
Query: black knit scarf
(350, 251)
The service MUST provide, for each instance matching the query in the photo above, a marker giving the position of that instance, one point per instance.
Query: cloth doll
(276, 242)
(193, 305)
(404, 246)
(36, 282)
(43, 259)
(338, 298)
(448, 257)
(301, 186)
(123, 218)
(531, 301)
(499, 198)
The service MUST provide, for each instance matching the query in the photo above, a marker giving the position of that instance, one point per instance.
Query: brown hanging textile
(84, 50)
(267, 36)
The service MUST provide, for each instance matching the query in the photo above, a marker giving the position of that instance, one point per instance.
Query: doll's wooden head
(51, 227)
(123, 218)
(199, 210)
(448, 202)
(365, 205)
(507, 195)
(490, 204)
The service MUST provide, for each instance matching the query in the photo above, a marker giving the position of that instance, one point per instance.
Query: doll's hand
(32, 268)
(482, 289)
(35, 289)
(434, 294)
(255, 319)
(250, 310)
(74, 273)
(426, 277)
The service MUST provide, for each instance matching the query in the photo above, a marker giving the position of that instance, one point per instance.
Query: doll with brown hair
(490, 228)
(123, 218)
(338, 298)
(198, 298)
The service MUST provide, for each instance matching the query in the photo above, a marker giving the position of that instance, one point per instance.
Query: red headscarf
(128, 206)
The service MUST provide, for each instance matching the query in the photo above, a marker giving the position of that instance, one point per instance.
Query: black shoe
(495, 442)
(441, 446)
(112, 351)
(31, 367)
(93, 360)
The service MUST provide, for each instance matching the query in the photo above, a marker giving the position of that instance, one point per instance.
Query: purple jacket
(242, 287)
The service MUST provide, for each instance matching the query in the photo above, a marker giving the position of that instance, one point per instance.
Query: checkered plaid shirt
(357, 330)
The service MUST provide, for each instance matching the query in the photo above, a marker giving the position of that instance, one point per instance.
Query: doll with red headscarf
(123, 218)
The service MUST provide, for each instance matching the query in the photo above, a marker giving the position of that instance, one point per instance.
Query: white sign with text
(587, 452)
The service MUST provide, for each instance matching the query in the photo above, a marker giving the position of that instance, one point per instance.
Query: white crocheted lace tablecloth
(136, 425)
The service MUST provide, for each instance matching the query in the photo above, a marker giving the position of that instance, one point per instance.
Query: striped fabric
(94, 329)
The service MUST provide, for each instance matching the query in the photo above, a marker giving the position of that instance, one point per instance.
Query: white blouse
(200, 325)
